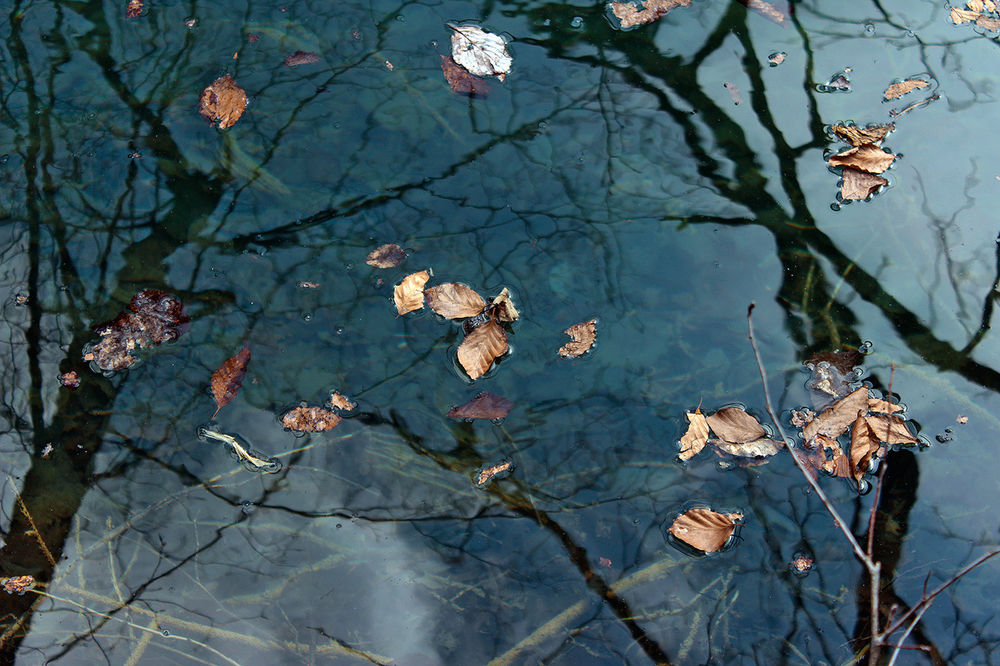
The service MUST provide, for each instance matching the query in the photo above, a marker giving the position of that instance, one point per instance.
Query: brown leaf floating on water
(155, 317)
(705, 529)
(453, 300)
(386, 256)
(338, 401)
(734, 425)
(17, 584)
(859, 185)
(866, 157)
(865, 445)
(493, 472)
(891, 429)
(226, 381)
(483, 406)
(70, 380)
(223, 101)
(800, 417)
(630, 15)
(897, 90)
(409, 294)
(481, 347)
(584, 334)
(310, 419)
(883, 406)
(758, 448)
(134, 9)
(696, 436)
(856, 136)
(503, 308)
(765, 9)
(835, 421)
(461, 81)
(301, 58)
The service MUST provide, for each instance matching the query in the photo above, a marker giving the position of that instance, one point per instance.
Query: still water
(658, 179)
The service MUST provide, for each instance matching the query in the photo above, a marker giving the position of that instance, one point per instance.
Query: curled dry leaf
(835, 421)
(584, 334)
(226, 381)
(461, 81)
(705, 529)
(866, 157)
(155, 317)
(694, 439)
(481, 347)
(242, 451)
(735, 425)
(409, 294)
(481, 53)
(134, 9)
(223, 102)
(831, 458)
(856, 136)
(483, 406)
(630, 15)
(759, 448)
(70, 380)
(897, 90)
(17, 584)
(310, 419)
(865, 445)
(454, 300)
(503, 308)
(891, 429)
(859, 185)
(494, 471)
(338, 401)
(301, 58)
(800, 417)
(386, 256)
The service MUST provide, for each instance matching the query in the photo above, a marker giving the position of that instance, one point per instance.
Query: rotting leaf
(705, 529)
(859, 185)
(897, 90)
(461, 81)
(844, 360)
(584, 334)
(70, 380)
(223, 102)
(866, 157)
(226, 381)
(253, 461)
(301, 58)
(409, 294)
(856, 136)
(495, 471)
(835, 421)
(134, 9)
(630, 15)
(453, 300)
(759, 448)
(481, 53)
(17, 584)
(865, 445)
(483, 406)
(503, 308)
(800, 417)
(481, 347)
(891, 429)
(310, 419)
(735, 425)
(386, 256)
(155, 317)
(338, 401)
(696, 436)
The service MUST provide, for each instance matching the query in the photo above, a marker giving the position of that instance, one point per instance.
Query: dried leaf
(760, 448)
(242, 451)
(155, 317)
(584, 334)
(859, 185)
(835, 421)
(301, 58)
(134, 9)
(897, 90)
(483, 406)
(503, 308)
(856, 136)
(226, 381)
(481, 53)
(454, 301)
(310, 419)
(734, 425)
(17, 584)
(981, 5)
(338, 401)
(386, 256)
(963, 15)
(891, 429)
(492, 472)
(223, 101)
(866, 157)
(961, 419)
(461, 81)
(694, 439)
(481, 347)
(409, 294)
(865, 445)
(883, 406)
(988, 23)
(837, 465)
(705, 529)
(800, 417)
(70, 380)
(765, 9)
(630, 15)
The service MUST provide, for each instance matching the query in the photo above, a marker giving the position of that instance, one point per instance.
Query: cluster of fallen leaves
(630, 14)
(475, 54)
(737, 433)
(981, 12)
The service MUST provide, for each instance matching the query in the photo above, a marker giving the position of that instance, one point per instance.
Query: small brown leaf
(453, 300)
(963, 15)
(734, 425)
(838, 465)
(694, 439)
(226, 381)
(891, 429)
(859, 185)
(897, 90)
(481, 347)
(386, 256)
(866, 157)
(17, 584)
(70, 380)
(765, 9)
(489, 473)
(704, 529)
(483, 406)
(223, 101)
(584, 334)
(310, 419)
(759, 448)
(134, 9)
(461, 81)
(800, 417)
(338, 401)
(865, 445)
(630, 15)
(503, 308)
(409, 294)
(835, 421)
(856, 136)
(301, 58)
(883, 406)
(962, 419)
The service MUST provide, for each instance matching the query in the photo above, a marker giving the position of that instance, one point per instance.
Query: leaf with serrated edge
(704, 529)
(694, 439)
(735, 425)
(409, 294)
(835, 420)
(481, 347)
(454, 301)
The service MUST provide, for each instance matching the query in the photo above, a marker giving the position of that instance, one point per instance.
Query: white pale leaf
(481, 53)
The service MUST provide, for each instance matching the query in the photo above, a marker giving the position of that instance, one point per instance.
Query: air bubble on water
(401, 18)
(4, 158)
(307, 316)
(339, 330)
(165, 633)
(870, 29)
(577, 21)
(248, 507)
(349, 266)
(866, 347)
